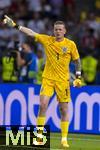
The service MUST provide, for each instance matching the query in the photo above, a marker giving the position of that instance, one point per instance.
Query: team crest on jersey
(64, 49)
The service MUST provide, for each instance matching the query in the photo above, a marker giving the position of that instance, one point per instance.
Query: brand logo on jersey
(64, 49)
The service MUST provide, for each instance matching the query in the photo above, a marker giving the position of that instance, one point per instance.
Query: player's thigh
(63, 91)
(47, 88)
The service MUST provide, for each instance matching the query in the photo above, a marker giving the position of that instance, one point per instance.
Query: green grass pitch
(76, 142)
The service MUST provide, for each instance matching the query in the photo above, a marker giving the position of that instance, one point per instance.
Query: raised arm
(25, 30)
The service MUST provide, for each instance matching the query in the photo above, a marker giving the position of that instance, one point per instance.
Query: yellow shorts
(62, 89)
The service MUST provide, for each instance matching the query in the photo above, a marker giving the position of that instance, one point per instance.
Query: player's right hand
(9, 21)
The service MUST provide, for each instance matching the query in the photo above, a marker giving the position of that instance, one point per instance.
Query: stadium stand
(81, 18)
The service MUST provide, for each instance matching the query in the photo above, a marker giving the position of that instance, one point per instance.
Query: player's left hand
(7, 20)
(77, 83)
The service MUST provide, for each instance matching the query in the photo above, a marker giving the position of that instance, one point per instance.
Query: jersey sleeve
(74, 52)
(41, 38)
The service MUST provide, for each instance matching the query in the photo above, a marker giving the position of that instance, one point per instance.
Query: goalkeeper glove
(10, 22)
(77, 82)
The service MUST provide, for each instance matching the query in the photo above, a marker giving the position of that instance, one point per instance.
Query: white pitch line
(87, 139)
(75, 138)
(78, 139)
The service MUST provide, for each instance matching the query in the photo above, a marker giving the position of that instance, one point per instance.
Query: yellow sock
(64, 129)
(41, 121)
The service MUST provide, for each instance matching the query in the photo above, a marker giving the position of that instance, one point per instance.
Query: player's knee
(63, 111)
(43, 107)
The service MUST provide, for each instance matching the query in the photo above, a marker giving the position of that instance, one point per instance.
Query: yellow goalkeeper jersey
(58, 56)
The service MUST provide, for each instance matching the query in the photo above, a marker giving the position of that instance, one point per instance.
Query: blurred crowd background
(22, 59)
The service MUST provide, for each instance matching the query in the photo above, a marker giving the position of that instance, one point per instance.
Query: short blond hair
(59, 23)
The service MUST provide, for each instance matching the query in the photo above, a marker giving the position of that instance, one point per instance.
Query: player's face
(59, 31)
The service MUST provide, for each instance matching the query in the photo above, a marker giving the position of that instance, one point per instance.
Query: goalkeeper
(59, 52)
